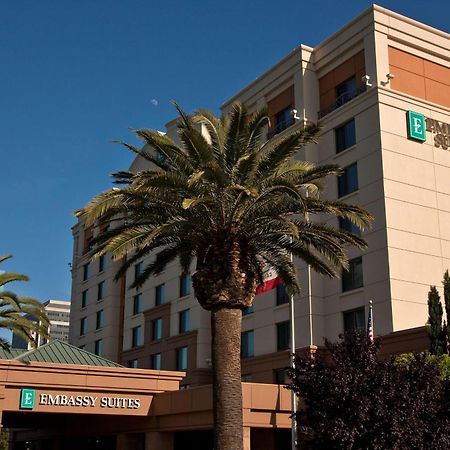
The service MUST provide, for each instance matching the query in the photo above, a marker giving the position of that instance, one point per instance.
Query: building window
(101, 263)
(133, 363)
(155, 361)
(345, 136)
(182, 356)
(282, 295)
(84, 298)
(354, 320)
(184, 321)
(347, 225)
(185, 284)
(346, 91)
(85, 271)
(246, 377)
(138, 269)
(283, 119)
(83, 326)
(283, 336)
(247, 311)
(100, 290)
(280, 376)
(353, 277)
(348, 181)
(247, 344)
(137, 304)
(98, 347)
(99, 320)
(136, 334)
(156, 329)
(160, 294)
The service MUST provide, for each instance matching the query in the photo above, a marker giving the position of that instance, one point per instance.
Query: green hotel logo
(416, 126)
(27, 397)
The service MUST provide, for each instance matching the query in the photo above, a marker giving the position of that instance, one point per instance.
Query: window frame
(157, 329)
(101, 263)
(137, 304)
(98, 347)
(345, 136)
(155, 357)
(136, 336)
(349, 93)
(185, 284)
(138, 269)
(248, 344)
(281, 296)
(181, 356)
(133, 363)
(86, 271)
(160, 294)
(84, 298)
(283, 340)
(280, 373)
(350, 281)
(346, 183)
(83, 326)
(99, 319)
(101, 290)
(346, 225)
(184, 321)
(355, 326)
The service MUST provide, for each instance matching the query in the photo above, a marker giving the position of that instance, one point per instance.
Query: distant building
(58, 313)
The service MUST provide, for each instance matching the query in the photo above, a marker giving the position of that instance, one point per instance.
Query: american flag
(370, 323)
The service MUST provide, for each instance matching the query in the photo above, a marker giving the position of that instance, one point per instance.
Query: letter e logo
(27, 398)
(416, 126)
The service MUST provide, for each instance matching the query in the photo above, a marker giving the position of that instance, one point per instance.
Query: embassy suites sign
(29, 399)
(418, 125)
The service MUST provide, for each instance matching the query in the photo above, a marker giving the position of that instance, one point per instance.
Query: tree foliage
(14, 308)
(356, 401)
(446, 327)
(435, 329)
(438, 328)
(231, 203)
(4, 439)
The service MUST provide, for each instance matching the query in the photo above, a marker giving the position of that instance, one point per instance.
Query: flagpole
(310, 311)
(370, 322)
(293, 395)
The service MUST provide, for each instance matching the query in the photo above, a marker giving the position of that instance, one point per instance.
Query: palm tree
(232, 203)
(24, 316)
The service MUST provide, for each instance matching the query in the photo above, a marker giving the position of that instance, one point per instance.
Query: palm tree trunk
(227, 389)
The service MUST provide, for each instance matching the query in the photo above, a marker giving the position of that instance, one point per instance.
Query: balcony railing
(281, 126)
(342, 100)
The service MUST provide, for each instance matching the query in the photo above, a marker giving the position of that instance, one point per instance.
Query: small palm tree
(15, 311)
(233, 203)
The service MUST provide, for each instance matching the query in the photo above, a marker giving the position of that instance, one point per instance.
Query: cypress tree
(446, 283)
(435, 330)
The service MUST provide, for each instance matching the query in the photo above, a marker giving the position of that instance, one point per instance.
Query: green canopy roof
(58, 352)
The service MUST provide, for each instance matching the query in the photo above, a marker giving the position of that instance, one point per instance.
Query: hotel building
(58, 313)
(380, 88)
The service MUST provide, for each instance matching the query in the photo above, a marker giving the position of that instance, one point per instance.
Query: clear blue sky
(75, 74)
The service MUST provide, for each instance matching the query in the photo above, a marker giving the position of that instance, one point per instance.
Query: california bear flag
(271, 280)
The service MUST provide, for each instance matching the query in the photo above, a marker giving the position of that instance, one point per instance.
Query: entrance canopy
(59, 395)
